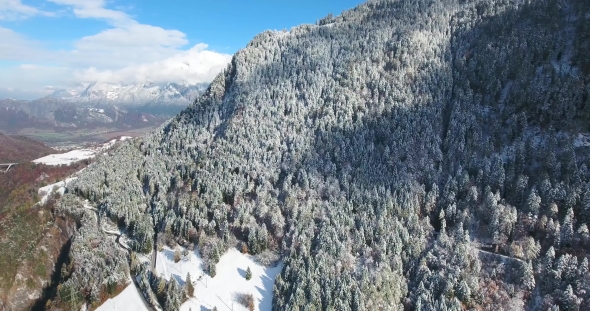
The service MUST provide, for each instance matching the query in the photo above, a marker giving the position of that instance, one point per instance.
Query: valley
(71, 139)
(99, 112)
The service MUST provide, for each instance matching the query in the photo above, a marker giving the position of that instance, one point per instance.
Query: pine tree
(584, 233)
(463, 292)
(212, 270)
(248, 274)
(190, 289)
(253, 244)
(567, 229)
(528, 276)
(569, 300)
(174, 294)
(583, 279)
(534, 202)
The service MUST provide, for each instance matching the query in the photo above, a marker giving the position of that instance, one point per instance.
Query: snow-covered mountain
(118, 106)
(147, 93)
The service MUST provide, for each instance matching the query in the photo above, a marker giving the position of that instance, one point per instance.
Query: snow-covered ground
(47, 190)
(222, 290)
(583, 140)
(67, 158)
(77, 155)
(128, 300)
(109, 144)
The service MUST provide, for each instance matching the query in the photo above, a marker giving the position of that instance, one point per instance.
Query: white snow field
(222, 290)
(128, 300)
(77, 155)
(67, 158)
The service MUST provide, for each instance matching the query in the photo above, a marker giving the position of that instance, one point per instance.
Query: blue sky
(52, 44)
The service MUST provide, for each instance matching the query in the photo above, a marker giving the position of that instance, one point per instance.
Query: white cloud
(95, 9)
(15, 47)
(15, 9)
(128, 52)
(195, 65)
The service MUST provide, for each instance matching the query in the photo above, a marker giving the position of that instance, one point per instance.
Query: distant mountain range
(147, 93)
(118, 106)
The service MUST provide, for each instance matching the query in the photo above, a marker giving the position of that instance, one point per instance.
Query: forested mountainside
(422, 155)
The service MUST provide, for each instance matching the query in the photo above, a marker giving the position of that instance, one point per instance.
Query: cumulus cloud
(15, 9)
(127, 52)
(195, 65)
(95, 9)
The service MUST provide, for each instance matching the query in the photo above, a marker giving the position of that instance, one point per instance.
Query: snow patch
(67, 158)
(583, 140)
(128, 300)
(34, 295)
(48, 190)
(221, 291)
(77, 155)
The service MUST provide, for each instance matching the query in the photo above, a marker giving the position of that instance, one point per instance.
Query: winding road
(124, 246)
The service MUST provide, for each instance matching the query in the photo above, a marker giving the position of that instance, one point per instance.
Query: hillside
(21, 149)
(406, 155)
(34, 240)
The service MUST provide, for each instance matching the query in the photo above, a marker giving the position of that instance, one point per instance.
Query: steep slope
(407, 154)
(21, 149)
(32, 238)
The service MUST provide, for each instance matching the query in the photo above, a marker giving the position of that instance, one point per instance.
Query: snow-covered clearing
(48, 190)
(77, 155)
(222, 290)
(67, 158)
(112, 142)
(128, 300)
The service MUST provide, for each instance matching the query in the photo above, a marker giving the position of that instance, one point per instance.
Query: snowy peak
(148, 92)
(65, 94)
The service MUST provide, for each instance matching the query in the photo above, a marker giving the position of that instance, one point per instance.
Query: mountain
(132, 95)
(116, 107)
(406, 155)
